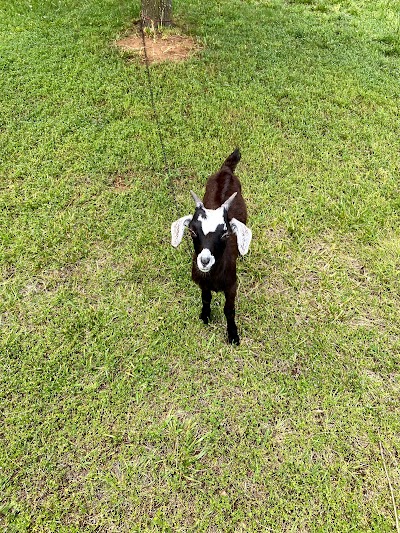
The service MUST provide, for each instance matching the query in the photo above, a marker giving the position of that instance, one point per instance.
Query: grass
(120, 410)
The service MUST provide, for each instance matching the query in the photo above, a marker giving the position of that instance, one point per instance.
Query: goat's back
(219, 188)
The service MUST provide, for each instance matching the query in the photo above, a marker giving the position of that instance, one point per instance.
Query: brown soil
(119, 184)
(159, 48)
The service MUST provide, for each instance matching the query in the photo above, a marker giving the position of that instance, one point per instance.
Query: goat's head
(210, 230)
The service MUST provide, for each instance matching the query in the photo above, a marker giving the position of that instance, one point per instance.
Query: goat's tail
(233, 160)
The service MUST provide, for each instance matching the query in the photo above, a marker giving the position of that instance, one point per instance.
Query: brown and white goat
(219, 233)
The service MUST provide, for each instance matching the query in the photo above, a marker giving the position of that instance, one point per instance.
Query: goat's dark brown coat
(220, 186)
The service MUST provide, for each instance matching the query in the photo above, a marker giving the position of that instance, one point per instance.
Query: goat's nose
(205, 261)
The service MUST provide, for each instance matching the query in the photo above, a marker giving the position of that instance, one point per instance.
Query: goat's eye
(192, 233)
(225, 235)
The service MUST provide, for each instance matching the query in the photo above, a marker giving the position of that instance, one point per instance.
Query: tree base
(156, 13)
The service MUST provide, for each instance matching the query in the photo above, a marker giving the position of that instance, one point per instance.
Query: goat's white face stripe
(215, 217)
(205, 260)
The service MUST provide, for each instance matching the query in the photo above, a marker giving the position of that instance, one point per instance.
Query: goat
(219, 233)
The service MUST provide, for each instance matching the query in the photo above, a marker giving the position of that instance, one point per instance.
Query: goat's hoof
(234, 339)
(204, 318)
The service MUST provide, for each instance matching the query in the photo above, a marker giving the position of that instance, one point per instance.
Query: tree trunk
(156, 13)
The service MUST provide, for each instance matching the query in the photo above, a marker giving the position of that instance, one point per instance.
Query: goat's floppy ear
(243, 234)
(177, 229)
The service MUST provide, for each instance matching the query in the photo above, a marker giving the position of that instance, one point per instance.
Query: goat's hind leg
(229, 310)
(206, 309)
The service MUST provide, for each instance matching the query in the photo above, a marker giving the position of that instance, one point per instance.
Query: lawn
(120, 411)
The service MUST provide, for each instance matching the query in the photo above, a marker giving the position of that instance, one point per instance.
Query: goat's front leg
(229, 311)
(206, 309)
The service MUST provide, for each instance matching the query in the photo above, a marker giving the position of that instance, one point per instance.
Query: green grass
(120, 411)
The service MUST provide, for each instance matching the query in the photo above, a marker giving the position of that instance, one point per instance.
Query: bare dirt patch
(120, 184)
(159, 48)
